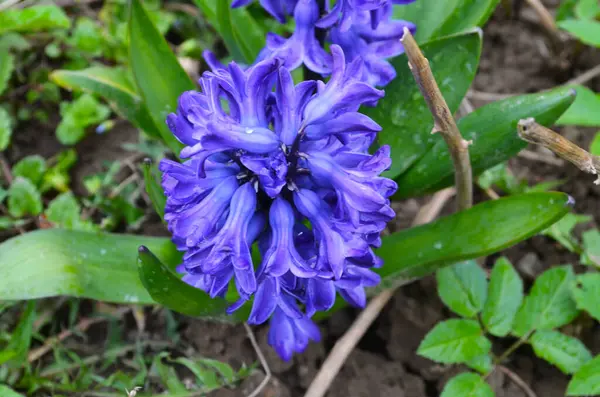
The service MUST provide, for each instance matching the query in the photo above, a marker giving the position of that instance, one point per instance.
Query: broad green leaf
(31, 167)
(463, 288)
(587, 294)
(505, 295)
(24, 198)
(588, 31)
(403, 113)
(493, 129)
(167, 289)
(467, 385)
(99, 266)
(486, 228)
(153, 188)
(158, 75)
(481, 364)
(562, 231)
(428, 15)
(7, 65)
(64, 211)
(549, 303)
(33, 19)
(454, 341)
(466, 15)
(595, 145)
(587, 9)
(565, 352)
(114, 85)
(584, 111)
(591, 248)
(6, 391)
(20, 340)
(5, 129)
(586, 381)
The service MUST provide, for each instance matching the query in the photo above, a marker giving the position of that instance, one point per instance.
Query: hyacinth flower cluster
(284, 168)
(362, 28)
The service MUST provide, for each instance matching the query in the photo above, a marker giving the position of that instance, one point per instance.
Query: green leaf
(588, 31)
(33, 19)
(562, 230)
(87, 36)
(6, 391)
(466, 15)
(64, 211)
(31, 167)
(584, 111)
(153, 188)
(565, 352)
(5, 129)
(24, 198)
(222, 368)
(13, 41)
(587, 9)
(158, 75)
(403, 113)
(595, 145)
(486, 228)
(207, 377)
(454, 341)
(467, 385)
(114, 85)
(224, 20)
(21, 337)
(549, 303)
(505, 295)
(168, 375)
(493, 129)
(7, 65)
(428, 15)
(463, 288)
(591, 248)
(78, 115)
(481, 364)
(167, 289)
(586, 381)
(587, 294)
(99, 266)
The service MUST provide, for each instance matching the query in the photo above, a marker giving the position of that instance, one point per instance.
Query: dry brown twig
(518, 381)
(546, 19)
(262, 359)
(532, 132)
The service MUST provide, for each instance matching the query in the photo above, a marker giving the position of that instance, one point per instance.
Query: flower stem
(444, 122)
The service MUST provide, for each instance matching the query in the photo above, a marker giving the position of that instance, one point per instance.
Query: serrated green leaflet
(467, 385)
(157, 72)
(403, 113)
(463, 288)
(99, 266)
(486, 228)
(586, 381)
(549, 303)
(587, 294)
(505, 295)
(454, 341)
(563, 351)
(493, 131)
(116, 87)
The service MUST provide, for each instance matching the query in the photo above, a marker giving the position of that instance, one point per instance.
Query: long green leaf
(466, 15)
(486, 228)
(493, 131)
(114, 85)
(403, 113)
(152, 184)
(99, 266)
(167, 289)
(158, 75)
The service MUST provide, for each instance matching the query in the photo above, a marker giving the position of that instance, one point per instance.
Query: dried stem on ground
(532, 132)
(262, 360)
(518, 381)
(444, 122)
(348, 341)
